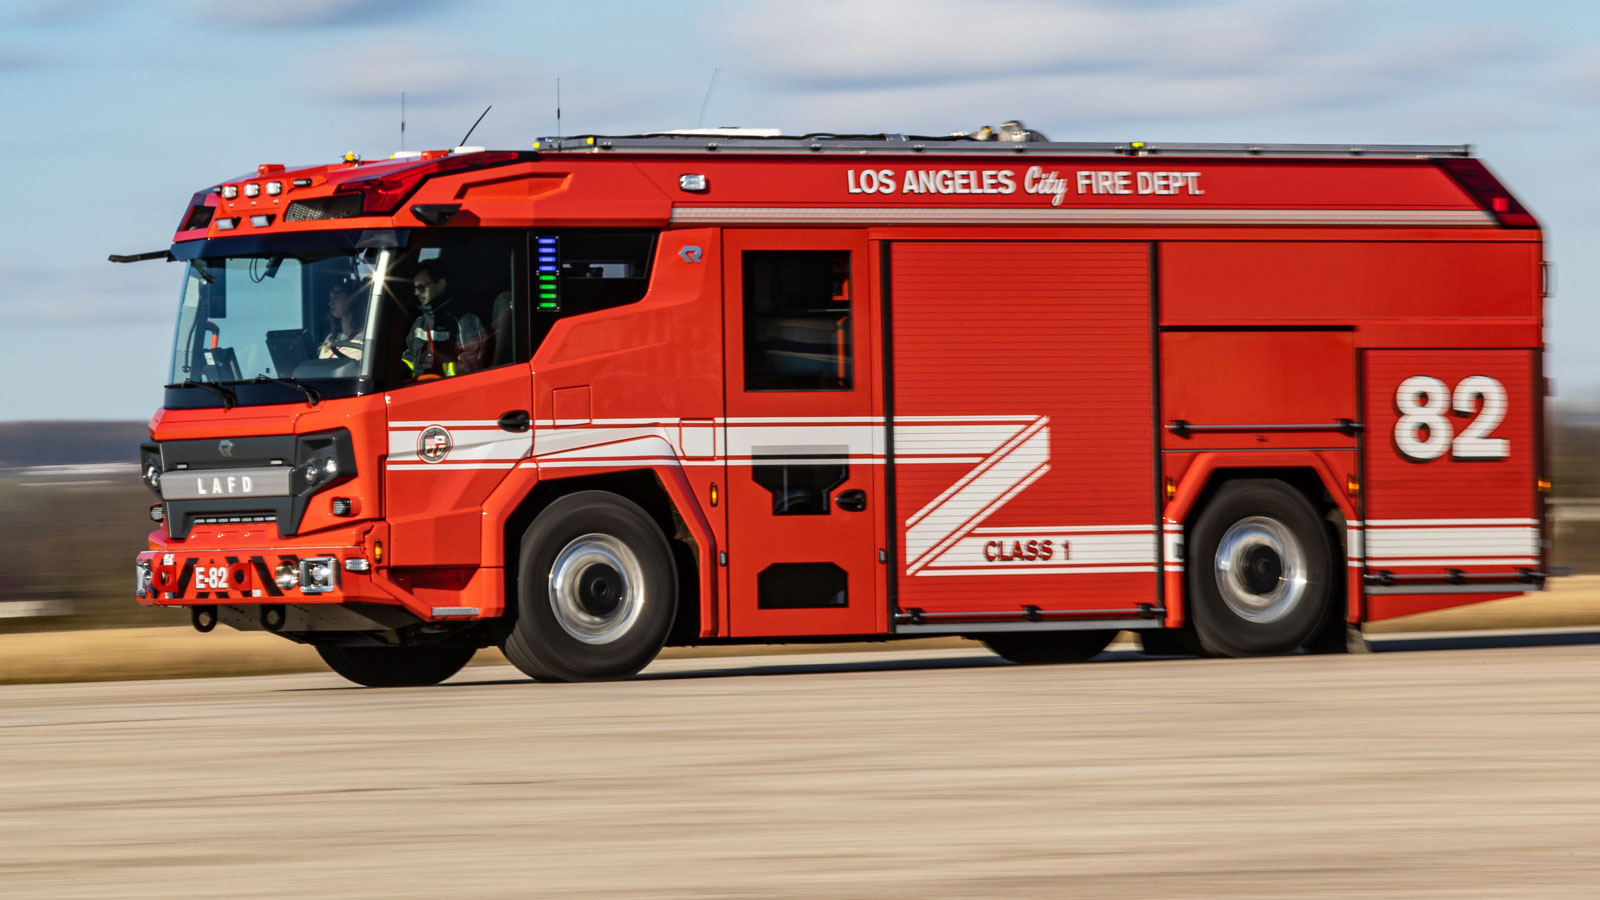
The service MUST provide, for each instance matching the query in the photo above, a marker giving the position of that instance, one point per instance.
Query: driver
(346, 322)
(442, 340)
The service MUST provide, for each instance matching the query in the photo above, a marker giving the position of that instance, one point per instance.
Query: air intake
(338, 206)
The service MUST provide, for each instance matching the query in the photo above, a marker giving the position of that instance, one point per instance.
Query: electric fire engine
(614, 393)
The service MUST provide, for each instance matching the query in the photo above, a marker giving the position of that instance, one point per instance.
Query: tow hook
(203, 618)
(272, 616)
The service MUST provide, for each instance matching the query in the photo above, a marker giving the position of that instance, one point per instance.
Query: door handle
(851, 501)
(515, 421)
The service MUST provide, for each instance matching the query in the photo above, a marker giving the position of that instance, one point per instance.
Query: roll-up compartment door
(1022, 428)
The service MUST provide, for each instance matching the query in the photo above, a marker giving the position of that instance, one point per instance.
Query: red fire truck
(615, 393)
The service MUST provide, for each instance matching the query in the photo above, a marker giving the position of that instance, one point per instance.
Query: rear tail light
(1487, 190)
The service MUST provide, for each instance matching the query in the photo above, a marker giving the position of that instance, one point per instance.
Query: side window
(461, 310)
(577, 272)
(797, 334)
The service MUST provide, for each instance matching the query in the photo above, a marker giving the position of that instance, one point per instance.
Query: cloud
(1094, 63)
(60, 12)
(448, 87)
(315, 13)
(16, 59)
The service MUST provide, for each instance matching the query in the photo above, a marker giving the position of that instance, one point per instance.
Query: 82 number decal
(1424, 432)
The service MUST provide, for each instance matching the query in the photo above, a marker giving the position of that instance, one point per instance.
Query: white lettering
(200, 486)
(245, 482)
(1051, 184)
(216, 485)
(233, 484)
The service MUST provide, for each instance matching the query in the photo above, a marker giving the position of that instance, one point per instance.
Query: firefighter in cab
(443, 340)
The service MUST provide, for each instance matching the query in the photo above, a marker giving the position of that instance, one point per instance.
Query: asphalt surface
(1443, 767)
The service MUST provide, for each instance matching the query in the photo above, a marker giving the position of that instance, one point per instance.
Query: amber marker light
(1171, 487)
(377, 551)
(1544, 485)
(1352, 486)
(714, 493)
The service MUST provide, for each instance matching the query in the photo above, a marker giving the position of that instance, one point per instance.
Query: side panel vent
(339, 206)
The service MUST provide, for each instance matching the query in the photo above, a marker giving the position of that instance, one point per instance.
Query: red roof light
(382, 194)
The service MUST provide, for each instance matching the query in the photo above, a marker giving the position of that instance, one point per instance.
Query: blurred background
(115, 113)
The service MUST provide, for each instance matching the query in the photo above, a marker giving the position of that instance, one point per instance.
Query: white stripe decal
(1410, 523)
(1017, 463)
(822, 215)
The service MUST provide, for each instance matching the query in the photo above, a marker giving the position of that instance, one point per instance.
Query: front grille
(338, 206)
(233, 520)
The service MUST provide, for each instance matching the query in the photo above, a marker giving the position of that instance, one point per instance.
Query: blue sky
(112, 114)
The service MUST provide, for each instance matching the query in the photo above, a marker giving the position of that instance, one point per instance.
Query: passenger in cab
(347, 320)
(443, 340)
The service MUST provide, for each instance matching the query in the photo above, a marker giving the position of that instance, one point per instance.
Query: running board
(1028, 618)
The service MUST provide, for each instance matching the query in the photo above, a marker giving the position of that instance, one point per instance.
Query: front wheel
(1260, 570)
(596, 591)
(1045, 647)
(396, 666)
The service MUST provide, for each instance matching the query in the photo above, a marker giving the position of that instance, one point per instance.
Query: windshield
(259, 320)
(302, 316)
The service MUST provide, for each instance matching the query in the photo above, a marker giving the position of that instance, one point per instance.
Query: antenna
(463, 141)
(558, 108)
(402, 120)
(707, 102)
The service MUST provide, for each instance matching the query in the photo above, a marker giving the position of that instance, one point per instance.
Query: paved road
(1423, 772)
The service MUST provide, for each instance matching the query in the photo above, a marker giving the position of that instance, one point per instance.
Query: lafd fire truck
(616, 393)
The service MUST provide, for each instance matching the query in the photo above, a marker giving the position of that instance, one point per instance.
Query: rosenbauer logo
(434, 444)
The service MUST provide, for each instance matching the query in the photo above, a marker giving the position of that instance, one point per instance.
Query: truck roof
(728, 141)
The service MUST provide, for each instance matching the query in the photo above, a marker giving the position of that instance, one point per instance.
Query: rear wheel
(1043, 647)
(1259, 570)
(596, 591)
(396, 666)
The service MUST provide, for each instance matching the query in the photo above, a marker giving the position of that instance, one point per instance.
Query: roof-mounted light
(274, 188)
(253, 189)
(382, 194)
(230, 191)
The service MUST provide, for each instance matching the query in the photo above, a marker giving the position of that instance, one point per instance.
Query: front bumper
(353, 570)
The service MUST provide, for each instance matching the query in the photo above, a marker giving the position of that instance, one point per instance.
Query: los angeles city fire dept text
(1035, 180)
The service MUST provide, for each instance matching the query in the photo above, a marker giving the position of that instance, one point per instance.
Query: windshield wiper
(228, 398)
(313, 396)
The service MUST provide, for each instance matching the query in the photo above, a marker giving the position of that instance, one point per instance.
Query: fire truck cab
(610, 394)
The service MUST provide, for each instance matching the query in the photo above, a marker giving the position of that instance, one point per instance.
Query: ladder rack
(902, 144)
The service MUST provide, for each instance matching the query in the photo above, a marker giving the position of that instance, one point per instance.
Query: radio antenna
(707, 101)
(463, 141)
(558, 108)
(402, 120)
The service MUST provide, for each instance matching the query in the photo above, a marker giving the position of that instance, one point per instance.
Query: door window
(797, 334)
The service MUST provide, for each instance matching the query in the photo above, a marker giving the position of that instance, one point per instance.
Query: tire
(396, 666)
(1260, 570)
(1047, 647)
(597, 591)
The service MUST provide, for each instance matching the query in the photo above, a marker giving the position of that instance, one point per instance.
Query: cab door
(452, 440)
(804, 448)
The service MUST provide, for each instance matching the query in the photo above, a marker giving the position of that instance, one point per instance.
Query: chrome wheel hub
(1261, 569)
(596, 588)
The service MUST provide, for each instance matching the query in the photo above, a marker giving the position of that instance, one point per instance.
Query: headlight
(150, 467)
(286, 576)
